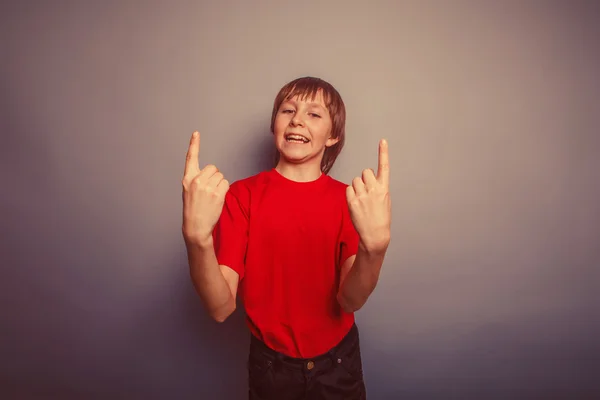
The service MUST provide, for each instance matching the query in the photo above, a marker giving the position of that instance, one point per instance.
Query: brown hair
(309, 87)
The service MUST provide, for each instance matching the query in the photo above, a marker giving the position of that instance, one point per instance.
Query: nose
(296, 120)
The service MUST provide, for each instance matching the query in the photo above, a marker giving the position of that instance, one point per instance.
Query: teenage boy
(305, 249)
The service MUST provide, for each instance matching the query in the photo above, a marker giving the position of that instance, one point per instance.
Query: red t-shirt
(287, 241)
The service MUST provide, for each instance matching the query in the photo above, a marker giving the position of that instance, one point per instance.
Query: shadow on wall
(262, 155)
(214, 355)
(266, 153)
(103, 308)
(219, 351)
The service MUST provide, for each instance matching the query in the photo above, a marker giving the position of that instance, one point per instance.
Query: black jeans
(336, 374)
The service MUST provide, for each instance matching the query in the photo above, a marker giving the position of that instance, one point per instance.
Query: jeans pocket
(258, 368)
(351, 366)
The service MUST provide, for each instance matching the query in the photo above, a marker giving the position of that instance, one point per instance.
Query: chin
(295, 157)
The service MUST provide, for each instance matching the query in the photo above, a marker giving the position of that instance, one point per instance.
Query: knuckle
(187, 182)
(196, 182)
(210, 167)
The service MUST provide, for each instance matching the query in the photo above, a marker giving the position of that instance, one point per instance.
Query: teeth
(297, 138)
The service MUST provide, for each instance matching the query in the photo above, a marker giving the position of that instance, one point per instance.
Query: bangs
(308, 88)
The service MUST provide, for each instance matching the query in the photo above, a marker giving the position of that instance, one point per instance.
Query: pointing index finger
(383, 170)
(191, 159)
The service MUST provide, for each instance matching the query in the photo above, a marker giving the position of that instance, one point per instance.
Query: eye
(315, 115)
(287, 111)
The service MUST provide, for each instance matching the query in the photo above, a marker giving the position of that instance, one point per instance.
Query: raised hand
(370, 204)
(203, 196)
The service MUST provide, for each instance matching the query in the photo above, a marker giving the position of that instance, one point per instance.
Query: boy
(305, 249)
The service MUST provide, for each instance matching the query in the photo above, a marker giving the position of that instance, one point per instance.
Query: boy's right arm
(215, 284)
(203, 198)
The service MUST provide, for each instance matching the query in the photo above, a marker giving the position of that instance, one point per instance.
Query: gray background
(490, 287)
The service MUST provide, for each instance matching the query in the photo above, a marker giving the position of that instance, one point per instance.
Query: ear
(331, 141)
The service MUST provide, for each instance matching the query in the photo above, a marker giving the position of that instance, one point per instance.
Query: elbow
(352, 308)
(347, 305)
(221, 316)
(349, 309)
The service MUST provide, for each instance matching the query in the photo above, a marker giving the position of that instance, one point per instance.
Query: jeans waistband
(258, 344)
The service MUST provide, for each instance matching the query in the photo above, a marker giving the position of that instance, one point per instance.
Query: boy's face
(302, 130)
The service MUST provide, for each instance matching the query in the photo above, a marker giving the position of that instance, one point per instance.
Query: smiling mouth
(293, 138)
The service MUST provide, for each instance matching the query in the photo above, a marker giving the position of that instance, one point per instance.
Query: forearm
(361, 280)
(208, 280)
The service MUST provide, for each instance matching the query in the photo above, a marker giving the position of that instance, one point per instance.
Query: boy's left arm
(369, 204)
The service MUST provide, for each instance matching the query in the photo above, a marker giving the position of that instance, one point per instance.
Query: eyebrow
(312, 104)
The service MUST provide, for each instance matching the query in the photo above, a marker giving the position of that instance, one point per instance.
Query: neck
(305, 172)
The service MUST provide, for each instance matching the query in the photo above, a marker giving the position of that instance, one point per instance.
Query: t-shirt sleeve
(349, 238)
(230, 235)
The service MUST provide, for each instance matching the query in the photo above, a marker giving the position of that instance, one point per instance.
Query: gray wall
(490, 287)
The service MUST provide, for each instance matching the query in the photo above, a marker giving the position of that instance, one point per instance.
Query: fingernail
(195, 134)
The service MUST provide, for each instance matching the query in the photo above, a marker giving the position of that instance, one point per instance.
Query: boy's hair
(309, 87)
